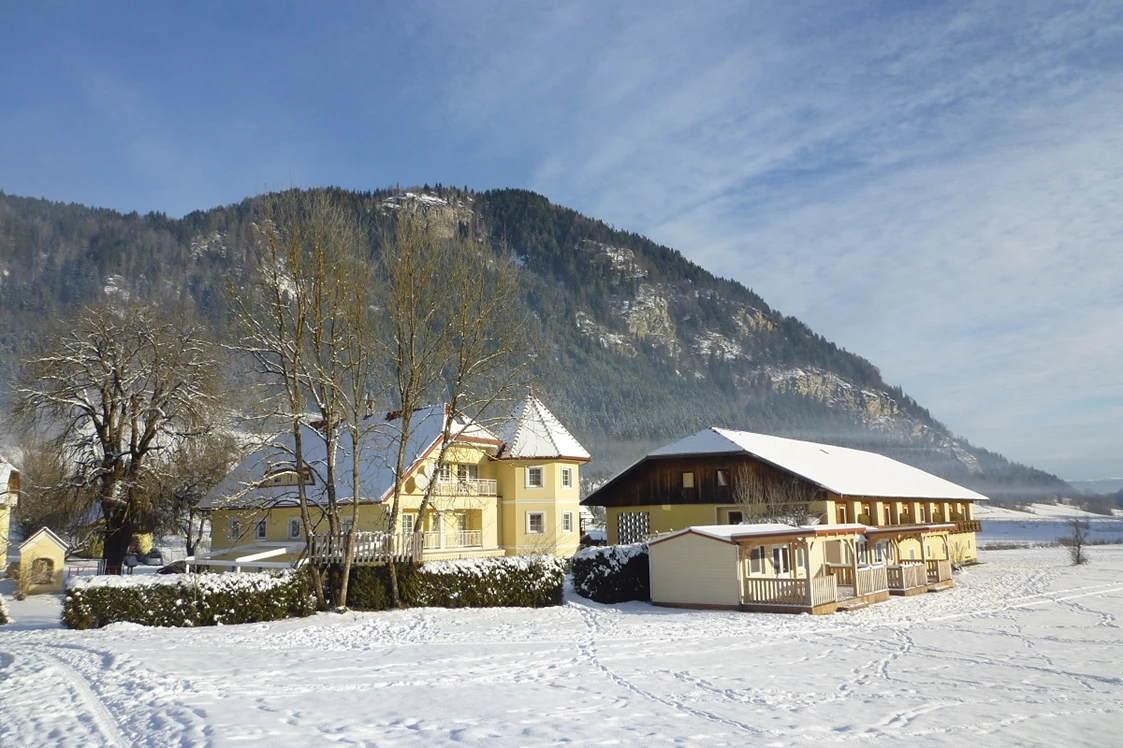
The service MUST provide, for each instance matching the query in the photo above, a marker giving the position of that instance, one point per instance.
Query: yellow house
(9, 499)
(492, 494)
(699, 481)
(42, 561)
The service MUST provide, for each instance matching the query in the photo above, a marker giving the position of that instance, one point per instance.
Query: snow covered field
(1043, 523)
(1026, 650)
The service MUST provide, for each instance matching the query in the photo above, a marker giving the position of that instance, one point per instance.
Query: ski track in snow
(1023, 649)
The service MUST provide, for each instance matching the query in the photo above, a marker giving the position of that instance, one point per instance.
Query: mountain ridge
(643, 345)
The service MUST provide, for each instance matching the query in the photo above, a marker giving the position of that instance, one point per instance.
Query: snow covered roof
(534, 433)
(846, 472)
(242, 486)
(48, 533)
(731, 533)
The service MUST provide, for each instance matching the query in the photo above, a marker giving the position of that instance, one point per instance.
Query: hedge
(502, 582)
(4, 619)
(612, 573)
(187, 599)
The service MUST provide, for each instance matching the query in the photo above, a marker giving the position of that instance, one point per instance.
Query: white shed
(696, 568)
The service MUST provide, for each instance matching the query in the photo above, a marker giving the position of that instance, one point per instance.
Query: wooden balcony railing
(370, 548)
(793, 592)
(939, 571)
(870, 579)
(466, 487)
(447, 540)
(906, 576)
(968, 526)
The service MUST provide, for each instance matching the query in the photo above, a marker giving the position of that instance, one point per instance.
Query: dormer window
(286, 476)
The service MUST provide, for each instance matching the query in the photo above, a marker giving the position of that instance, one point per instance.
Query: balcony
(441, 541)
(968, 526)
(466, 487)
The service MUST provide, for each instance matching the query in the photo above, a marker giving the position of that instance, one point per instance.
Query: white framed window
(535, 477)
(346, 524)
(445, 471)
(259, 529)
(535, 523)
(467, 471)
(408, 519)
(781, 563)
(567, 477)
(234, 531)
(756, 560)
(688, 480)
(800, 558)
(294, 528)
(567, 521)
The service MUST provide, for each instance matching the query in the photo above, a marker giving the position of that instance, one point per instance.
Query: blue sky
(936, 186)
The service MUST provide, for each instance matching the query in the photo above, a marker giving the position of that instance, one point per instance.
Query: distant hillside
(640, 345)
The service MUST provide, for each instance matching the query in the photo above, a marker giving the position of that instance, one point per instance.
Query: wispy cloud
(935, 187)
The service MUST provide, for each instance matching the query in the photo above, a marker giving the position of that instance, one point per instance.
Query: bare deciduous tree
(119, 386)
(768, 495)
(456, 332)
(294, 321)
(1077, 540)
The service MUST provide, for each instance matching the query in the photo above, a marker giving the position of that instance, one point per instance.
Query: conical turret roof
(535, 433)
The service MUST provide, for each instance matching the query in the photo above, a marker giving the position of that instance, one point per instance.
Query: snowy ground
(1026, 650)
(1043, 523)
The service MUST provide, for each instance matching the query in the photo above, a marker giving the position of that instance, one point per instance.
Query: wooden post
(854, 562)
(807, 570)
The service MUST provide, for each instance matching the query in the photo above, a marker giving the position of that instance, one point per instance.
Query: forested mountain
(639, 345)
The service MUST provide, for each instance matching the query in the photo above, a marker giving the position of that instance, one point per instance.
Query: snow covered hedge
(502, 582)
(187, 599)
(612, 573)
(4, 612)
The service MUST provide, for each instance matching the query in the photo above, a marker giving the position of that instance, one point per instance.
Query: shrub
(502, 582)
(186, 599)
(612, 574)
(4, 619)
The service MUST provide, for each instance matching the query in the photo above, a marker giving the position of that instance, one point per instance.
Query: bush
(187, 599)
(502, 582)
(612, 574)
(4, 619)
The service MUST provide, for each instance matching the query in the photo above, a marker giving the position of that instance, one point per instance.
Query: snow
(534, 433)
(850, 472)
(1025, 650)
(1043, 523)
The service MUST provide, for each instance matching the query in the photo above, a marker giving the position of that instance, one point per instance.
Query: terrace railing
(790, 592)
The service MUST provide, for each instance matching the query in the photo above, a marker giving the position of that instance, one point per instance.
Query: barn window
(688, 480)
(736, 518)
(723, 478)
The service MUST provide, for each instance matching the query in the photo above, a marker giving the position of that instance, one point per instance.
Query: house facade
(9, 499)
(504, 492)
(702, 480)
